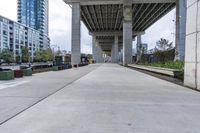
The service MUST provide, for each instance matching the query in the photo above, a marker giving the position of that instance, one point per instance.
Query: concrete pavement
(20, 94)
(113, 99)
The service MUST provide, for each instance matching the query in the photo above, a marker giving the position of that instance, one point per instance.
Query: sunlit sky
(60, 26)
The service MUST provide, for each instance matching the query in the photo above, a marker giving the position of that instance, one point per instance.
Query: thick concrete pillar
(180, 29)
(112, 54)
(127, 32)
(76, 47)
(94, 48)
(192, 50)
(99, 53)
(139, 43)
(121, 55)
(116, 49)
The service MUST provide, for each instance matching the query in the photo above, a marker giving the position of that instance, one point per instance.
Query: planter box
(27, 72)
(55, 68)
(6, 75)
(179, 75)
(60, 67)
(69, 66)
(18, 73)
(75, 66)
(65, 67)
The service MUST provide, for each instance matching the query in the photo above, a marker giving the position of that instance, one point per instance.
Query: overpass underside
(114, 24)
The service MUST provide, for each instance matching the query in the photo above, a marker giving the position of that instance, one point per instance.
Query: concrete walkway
(19, 94)
(113, 99)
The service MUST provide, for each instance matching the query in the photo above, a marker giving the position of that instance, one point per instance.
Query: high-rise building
(35, 14)
(14, 36)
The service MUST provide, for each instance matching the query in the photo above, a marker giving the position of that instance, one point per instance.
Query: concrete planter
(75, 66)
(18, 73)
(69, 66)
(179, 75)
(55, 68)
(60, 68)
(6, 75)
(65, 66)
(27, 72)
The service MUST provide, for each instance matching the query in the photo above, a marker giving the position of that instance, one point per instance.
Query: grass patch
(169, 64)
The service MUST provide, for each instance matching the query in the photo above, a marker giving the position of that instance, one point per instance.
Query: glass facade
(27, 12)
(35, 14)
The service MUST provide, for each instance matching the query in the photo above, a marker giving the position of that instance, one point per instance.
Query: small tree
(58, 53)
(7, 56)
(38, 56)
(43, 55)
(25, 54)
(164, 50)
(18, 59)
(50, 54)
(163, 45)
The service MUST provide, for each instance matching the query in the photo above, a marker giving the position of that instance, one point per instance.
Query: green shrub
(169, 64)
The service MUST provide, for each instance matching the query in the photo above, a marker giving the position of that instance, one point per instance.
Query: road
(111, 99)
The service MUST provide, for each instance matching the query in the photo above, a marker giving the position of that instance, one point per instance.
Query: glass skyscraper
(35, 14)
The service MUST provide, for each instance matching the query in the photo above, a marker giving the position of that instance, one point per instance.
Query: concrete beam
(106, 2)
(113, 33)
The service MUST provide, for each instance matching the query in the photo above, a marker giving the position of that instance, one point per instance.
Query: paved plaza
(104, 98)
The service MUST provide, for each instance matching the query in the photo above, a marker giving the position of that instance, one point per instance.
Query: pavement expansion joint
(68, 84)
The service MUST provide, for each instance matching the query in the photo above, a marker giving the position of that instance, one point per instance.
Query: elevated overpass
(114, 24)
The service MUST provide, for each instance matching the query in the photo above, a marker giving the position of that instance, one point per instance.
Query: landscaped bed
(55, 68)
(172, 69)
(6, 74)
(177, 65)
(18, 73)
(168, 64)
(27, 72)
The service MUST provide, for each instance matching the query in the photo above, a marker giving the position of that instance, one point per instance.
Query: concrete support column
(139, 45)
(180, 29)
(99, 53)
(94, 48)
(112, 54)
(76, 47)
(127, 32)
(116, 49)
(192, 49)
(121, 55)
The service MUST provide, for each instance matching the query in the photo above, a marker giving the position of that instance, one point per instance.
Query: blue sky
(60, 26)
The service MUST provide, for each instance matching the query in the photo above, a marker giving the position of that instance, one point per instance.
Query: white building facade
(14, 36)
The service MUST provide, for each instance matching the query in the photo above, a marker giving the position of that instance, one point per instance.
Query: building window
(5, 32)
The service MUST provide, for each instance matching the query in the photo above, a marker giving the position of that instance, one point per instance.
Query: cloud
(8, 8)
(60, 27)
(163, 28)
